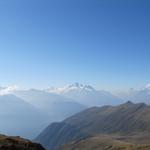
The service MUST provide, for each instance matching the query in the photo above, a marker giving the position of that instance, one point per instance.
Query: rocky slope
(17, 143)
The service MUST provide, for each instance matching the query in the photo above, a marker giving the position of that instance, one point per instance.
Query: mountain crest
(73, 87)
(79, 86)
(122, 120)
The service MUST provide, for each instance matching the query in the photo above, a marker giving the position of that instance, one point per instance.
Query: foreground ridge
(17, 143)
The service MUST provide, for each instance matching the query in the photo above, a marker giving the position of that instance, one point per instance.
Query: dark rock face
(17, 143)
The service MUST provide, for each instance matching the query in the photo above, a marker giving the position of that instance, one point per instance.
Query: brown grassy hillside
(17, 143)
(129, 122)
(98, 143)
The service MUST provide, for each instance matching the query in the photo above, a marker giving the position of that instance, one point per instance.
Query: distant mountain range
(87, 95)
(57, 107)
(18, 117)
(124, 120)
(138, 95)
(28, 112)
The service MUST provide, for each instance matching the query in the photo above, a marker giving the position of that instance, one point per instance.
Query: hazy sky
(105, 43)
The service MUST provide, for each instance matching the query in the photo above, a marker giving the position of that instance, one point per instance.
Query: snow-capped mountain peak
(86, 95)
(73, 87)
(78, 86)
(147, 86)
(8, 90)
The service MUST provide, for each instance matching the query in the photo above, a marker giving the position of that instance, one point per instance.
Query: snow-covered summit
(147, 86)
(8, 90)
(70, 88)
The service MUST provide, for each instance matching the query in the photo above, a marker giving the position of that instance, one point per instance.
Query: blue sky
(105, 43)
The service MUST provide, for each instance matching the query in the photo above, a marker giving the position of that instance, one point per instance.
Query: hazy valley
(61, 118)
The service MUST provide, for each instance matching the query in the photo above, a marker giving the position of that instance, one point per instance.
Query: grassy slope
(128, 122)
(98, 143)
(17, 143)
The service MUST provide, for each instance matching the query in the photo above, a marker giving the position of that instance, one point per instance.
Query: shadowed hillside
(17, 143)
(128, 118)
(124, 120)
